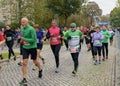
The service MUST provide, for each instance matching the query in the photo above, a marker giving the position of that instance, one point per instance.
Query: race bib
(37, 40)
(9, 38)
(75, 40)
(73, 50)
(54, 39)
(97, 42)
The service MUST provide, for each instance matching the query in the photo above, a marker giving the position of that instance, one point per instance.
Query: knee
(24, 64)
(35, 62)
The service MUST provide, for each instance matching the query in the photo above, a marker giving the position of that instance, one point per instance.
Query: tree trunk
(66, 20)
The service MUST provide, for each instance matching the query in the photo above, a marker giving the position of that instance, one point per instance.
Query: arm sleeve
(61, 33)
(66, 36)
(48, 34)
(108, 35)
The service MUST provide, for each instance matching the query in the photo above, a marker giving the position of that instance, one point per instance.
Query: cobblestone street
(88, 74)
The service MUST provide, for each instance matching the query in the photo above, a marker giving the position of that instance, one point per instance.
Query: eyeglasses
(72, 27)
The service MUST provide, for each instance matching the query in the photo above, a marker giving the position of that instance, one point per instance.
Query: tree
(64, 8)
(93, 11)
(115, 17)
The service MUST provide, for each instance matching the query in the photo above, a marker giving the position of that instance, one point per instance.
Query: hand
(69, 38)
(104, 36)
(51, 34)
(22, 38)
(42, 40)
(59, 37)
(26, 43)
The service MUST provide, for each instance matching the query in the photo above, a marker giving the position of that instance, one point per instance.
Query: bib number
(97, 42)
(9, 38)
(54, 39)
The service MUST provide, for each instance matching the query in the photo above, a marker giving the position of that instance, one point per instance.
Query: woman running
(55, 34)
(107, 35)
(97, 38)
(9, 36)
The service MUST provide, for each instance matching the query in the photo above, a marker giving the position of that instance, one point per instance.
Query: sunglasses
(72, 27)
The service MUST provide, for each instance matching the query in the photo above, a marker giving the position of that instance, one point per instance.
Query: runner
(112, 35)
(73, 36)
(9, 36)
(55, 34)
(107, 35)
(87, 40)
(91, 31)
(29, 41)
(65, 41)
(2, 41)
(40, 39)
(97, 38)
(21, 45)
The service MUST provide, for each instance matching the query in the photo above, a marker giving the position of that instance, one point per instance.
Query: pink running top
(54, 33)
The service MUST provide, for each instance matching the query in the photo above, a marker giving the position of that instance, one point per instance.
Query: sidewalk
(88, 74)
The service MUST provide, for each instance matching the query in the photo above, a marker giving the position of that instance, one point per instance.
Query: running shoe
(57, 70)
(95, 63)
(14, 58)
(99, 62)
(24, 81)
(40, 74)
(43, 60)
(74, 72)
(20, 64)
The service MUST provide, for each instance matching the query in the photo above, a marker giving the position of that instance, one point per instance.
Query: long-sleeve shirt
(74, 40)
(53, 34)
(97, 38)
(29, 35)
(107, 35)
(39, 37)
(9, 34)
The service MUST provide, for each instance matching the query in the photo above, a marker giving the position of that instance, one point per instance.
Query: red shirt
(1, 37)
(84, 30)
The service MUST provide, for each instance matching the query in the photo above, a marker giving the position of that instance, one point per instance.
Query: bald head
(24, 22)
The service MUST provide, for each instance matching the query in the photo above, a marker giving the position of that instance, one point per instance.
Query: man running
(73, 36)
(29, 41)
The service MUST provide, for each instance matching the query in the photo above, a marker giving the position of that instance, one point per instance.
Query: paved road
(88, 74)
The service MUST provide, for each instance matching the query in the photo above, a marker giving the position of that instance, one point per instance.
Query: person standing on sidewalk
(55, 34)
(73, 36)
(9, 36)
(29, 41)
(97, 38)
(106, 35)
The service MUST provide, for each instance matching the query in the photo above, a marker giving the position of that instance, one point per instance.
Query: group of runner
(97, 40)
(31, 43)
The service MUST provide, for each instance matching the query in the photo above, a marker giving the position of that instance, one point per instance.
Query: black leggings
(66, 43)
(92, 50)
(55, 50)
(105, 47)
(10, 45)
(75, 60)
(97, 50)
